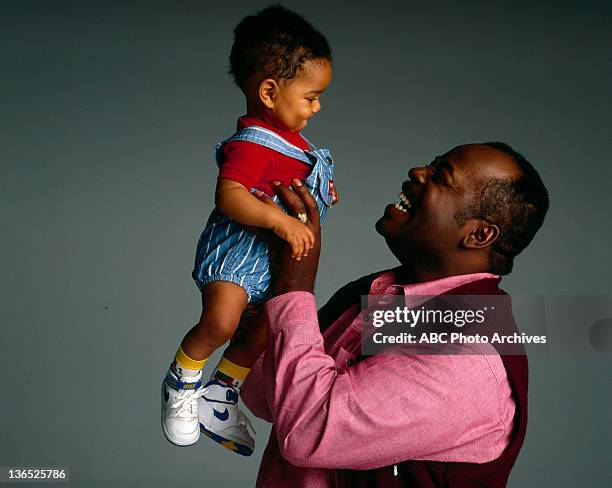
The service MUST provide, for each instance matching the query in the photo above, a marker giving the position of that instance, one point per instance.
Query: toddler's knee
(216, 330)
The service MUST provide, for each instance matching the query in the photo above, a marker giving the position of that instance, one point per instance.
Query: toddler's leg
(222, 306)
(220, 417)
(247, 344)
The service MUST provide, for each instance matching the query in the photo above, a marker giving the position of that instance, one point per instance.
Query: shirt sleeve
(245, 162)
(383, 410)
(253, 393)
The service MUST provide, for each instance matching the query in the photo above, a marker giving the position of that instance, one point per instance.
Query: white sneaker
(222, 420)
(179, 408)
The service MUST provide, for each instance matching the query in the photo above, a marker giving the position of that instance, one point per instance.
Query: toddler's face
(297, 100)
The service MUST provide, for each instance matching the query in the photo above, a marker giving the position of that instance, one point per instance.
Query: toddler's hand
(297, 234)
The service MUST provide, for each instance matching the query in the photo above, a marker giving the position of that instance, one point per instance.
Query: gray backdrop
(109, 115)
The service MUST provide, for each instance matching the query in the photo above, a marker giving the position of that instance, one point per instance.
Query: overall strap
(269, 139)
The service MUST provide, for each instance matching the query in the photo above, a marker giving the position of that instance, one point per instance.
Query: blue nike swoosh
(166, 394)
(222, 416)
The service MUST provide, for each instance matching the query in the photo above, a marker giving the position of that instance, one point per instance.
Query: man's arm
(383, 410)
(252, 392)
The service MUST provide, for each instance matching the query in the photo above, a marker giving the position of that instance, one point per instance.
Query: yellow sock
(230, 373)
(186, 365)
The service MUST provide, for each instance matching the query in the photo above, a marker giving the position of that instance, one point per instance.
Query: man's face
(424, 227)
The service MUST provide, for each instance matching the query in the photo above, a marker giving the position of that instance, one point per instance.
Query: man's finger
(292, 202)
(308, 201)
(262, 197)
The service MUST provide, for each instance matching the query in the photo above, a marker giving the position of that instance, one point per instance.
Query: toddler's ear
(267, 92)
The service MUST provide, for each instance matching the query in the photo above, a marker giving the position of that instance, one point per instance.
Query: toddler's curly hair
(274, 43)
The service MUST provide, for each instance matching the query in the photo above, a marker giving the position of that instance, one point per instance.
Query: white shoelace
(185, 403)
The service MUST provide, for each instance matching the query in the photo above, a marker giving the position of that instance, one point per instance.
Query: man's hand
(287, 274)
(334, 192)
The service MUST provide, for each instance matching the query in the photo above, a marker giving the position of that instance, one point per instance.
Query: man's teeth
(404, 199)
(403, 203)
(399, 207)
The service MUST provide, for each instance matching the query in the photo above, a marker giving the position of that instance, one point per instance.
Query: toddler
(282, 65)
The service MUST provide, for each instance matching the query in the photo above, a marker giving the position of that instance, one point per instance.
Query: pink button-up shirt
(329, 414)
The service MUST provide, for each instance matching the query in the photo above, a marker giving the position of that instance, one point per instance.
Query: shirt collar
(386, 284)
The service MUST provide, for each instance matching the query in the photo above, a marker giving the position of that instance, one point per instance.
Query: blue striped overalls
(226, 250)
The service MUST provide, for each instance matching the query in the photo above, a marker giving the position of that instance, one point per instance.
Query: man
(342, 419)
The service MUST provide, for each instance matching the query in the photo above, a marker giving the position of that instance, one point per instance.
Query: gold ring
(302, 217)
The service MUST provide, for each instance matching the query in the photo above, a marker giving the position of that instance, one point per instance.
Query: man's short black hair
(516, 205)
(274, 43)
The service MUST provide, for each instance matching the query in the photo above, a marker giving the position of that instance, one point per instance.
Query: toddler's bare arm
(234, 200)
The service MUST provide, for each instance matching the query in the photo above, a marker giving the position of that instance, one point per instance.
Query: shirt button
(350, 362)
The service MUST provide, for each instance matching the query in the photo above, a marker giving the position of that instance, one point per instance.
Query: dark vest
(433, 474)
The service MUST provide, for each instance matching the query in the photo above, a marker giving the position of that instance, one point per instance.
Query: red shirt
(254, 165)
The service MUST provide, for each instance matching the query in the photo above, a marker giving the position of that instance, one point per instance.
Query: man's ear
(480, 234)
(267, 92)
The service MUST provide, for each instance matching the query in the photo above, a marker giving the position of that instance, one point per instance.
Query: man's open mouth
(403, 204)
